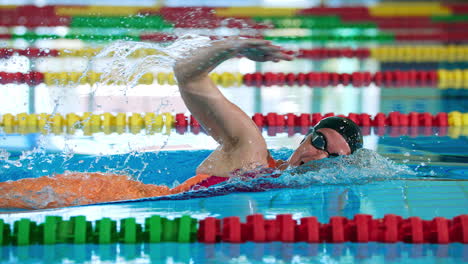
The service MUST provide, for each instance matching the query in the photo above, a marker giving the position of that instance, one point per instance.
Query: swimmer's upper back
(222, 163)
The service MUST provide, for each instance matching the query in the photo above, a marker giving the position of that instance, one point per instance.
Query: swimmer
(241, 144)
(242, 149)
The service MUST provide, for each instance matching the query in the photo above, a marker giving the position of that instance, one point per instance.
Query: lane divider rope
(445, 37)
(443, 79)
(187, 18)
(156, 229)
(158, 23)
(453, 132)
(167, 37)
(378, 10)
(434, 53)
(138, 121)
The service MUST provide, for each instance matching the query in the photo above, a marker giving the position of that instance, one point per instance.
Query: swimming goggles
(319, 141)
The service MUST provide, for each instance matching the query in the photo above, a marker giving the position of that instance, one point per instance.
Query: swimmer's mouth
(302, 163)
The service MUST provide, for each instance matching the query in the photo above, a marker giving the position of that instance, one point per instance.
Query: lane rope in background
(442, 79)
(431, 53)
(394, 124)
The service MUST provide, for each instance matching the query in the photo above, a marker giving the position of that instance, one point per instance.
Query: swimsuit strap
(271, 162)
(188, 184)
(206, 180)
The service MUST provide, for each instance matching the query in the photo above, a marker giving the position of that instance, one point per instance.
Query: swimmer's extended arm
(223, 120)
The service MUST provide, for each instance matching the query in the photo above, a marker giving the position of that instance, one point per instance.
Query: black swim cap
(346, 127)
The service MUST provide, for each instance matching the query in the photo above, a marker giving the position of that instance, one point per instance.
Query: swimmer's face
(333, 143)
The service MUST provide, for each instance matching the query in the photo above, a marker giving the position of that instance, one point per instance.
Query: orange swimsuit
(79, 188)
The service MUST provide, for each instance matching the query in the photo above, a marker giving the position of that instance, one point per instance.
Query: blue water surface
(422, 176)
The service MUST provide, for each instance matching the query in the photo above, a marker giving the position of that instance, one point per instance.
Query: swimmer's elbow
(180, 73)
(186, 76)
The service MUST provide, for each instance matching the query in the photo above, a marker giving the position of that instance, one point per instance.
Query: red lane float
(410, 78)
(394, 124)
(31, 78)
(361, 229)
(313, 54)
(396, 131)
(449, 37)
(412, 119)
(32, 16)
(313, 79)
(327, 53)
(457, 8)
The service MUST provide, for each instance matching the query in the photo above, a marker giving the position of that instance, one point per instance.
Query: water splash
(365, 166)
(4, 154)
(121, 69)
(362, 167)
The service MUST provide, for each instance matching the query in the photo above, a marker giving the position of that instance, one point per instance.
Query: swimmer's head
(331, 137)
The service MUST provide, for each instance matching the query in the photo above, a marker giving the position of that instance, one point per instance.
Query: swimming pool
(407, 171)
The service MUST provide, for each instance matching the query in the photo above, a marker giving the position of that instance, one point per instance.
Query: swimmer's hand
(261, 50)
(197, 65)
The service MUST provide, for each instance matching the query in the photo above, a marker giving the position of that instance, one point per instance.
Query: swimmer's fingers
(262, 45)
(255, 42)
(275, 57)
(281, 55)
(264, 53)
(241, 43)
(276, 54)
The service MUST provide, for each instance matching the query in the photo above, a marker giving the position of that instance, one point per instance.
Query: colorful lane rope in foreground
(443, 79)
(433, 53)
(362, 229)
(413, 119)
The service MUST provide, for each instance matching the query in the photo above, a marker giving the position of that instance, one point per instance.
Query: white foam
(359, 168)
(121, 69)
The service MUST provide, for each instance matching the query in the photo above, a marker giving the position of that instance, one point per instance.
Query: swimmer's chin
(310, 165)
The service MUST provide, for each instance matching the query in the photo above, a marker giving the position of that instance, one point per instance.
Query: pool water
(411, 176)
(432, 183)
(239, 253)
(416, 171)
